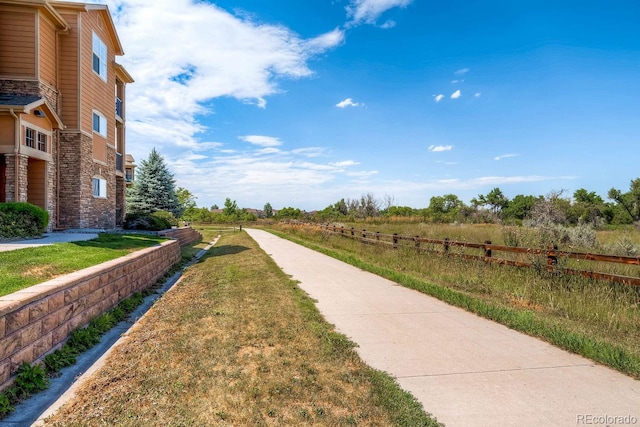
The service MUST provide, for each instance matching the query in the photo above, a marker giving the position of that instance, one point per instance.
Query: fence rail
(488, 252)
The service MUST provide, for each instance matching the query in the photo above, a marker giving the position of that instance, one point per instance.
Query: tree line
(154, 191)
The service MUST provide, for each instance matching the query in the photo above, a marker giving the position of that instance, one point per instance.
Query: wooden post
(377, 235)
(353, 232)
(395, 240)
(417, 240)
(446, 245)
(364, 234)
(487, 251)
(342, 229)
(552, 258)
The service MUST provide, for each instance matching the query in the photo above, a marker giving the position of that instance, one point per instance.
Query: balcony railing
(119, 112)
(119, 162)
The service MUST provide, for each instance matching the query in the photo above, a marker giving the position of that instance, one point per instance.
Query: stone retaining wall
(185, 235)
(38, 319)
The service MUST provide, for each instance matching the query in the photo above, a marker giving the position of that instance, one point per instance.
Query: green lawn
(22, 268)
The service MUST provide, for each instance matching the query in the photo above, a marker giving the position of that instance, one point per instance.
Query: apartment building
(62, 112)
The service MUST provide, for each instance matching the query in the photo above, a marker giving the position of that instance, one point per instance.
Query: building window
(42, 142)
(99, 124)
(99, 57)
(30, 138)
(99, 187)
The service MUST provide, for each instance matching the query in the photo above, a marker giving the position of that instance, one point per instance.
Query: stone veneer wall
(38, 319)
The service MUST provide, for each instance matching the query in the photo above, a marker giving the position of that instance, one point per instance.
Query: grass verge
(584, 338)
(236, 342)
(22, 268)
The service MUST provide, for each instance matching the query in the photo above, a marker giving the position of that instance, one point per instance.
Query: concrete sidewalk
(465, 370)
(47, 239)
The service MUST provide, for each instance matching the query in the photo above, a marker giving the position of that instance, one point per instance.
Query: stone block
(5, 371)
(10, 344)
(38, 309)
(17, 320)
(42, 346)
(31, 333)
(24, 355)
(60, 334)
(71, 295)
(56, 301)
(52, 321)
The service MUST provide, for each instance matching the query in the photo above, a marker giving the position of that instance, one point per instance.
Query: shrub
(166, 216)
(160, 220)
(20, 219)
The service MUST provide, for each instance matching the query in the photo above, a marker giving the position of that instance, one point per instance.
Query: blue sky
(302, 103)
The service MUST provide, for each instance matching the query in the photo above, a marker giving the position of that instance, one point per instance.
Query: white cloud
(326, 41)
(389, 24)
(261, 140)
(345, 163)
(461, 72)
(477, 94)
(439, 148)
(202, 53)
(438, 98)
(457, 81)
(368, 11)
(347, 103)
(457, 94)
(504, 156)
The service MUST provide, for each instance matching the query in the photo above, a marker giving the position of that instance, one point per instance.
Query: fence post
(353, 232)
(552, 258)
(395, 240)
(417, 240)
(364, 234)
(342, 229)
(334, 228)
(487, 251)
(446, 245)
(377, 235)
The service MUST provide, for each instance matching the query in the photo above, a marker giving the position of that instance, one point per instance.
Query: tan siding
(18, 44)
(47, 52)
(99, 148)
(96, 93)
(37, 122)
(68, 79)
(36, 187)
(7, 130)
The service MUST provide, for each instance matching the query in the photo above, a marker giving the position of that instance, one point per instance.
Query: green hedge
(159, 220)
(19, 219)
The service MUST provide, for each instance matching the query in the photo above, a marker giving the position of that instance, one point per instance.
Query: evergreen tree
(268, 210)
(154, 188)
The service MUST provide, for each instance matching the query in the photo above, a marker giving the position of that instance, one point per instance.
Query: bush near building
(20, 219)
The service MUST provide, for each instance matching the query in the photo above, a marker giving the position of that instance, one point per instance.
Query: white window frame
(99, 57)
(43, 141)
(30, 138)
(101, 123)
(99, 185)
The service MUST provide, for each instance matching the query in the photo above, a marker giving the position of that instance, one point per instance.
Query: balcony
(119, 165)
(119, 105)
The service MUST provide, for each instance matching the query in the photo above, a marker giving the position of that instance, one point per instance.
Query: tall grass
(597, 319)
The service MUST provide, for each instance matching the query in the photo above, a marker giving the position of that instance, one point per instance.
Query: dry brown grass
(235, 343)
